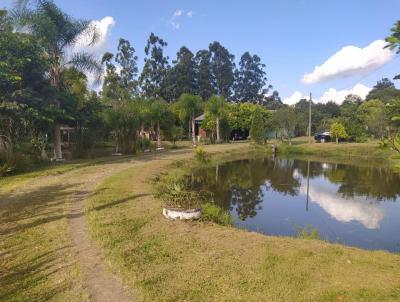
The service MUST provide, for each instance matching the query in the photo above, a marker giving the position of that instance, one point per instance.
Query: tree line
(44, 87)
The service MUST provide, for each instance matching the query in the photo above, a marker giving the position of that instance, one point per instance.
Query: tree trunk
(218, 134)
(189, 128)
(56, 82)
(158, 135)
(193, 132)
(337, 140)
(57, 142)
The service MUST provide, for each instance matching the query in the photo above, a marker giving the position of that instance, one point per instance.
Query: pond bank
(197, 261)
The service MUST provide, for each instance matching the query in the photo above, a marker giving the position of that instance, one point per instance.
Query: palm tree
(159, 112)
(58, 33)
(215, 106)
(188, 107)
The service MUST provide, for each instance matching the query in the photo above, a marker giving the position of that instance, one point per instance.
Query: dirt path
(101, 283)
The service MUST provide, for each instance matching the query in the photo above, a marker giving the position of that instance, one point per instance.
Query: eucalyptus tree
(181, 77)
(222, 69)
(215, 108)
(250, 80)
(204, 85)
(127, 60)
(188, 107)
(153, 76)
(58, 33)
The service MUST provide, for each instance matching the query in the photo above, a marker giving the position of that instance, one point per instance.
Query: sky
(328, 48)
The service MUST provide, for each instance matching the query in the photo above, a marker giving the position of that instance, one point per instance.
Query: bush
(212, 212)
(258, 130)
(201, 155)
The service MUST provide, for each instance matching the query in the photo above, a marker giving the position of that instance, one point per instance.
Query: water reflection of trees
(241, 184)
(363, 181)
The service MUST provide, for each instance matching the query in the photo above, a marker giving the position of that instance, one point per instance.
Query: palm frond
(86, 62)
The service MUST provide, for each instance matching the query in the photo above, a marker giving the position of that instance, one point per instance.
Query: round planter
(181, 214)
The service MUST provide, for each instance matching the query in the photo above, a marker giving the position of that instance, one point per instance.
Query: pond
(356, 205)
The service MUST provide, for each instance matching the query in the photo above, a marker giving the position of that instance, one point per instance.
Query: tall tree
(203, 74)
(181, 77)
(250, 79)
(222, 69)
(127, 60)
(58, 33)
(384, 90)
(155, 68)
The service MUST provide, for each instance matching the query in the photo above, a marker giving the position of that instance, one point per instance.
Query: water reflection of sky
(357, 206)
(343, 209)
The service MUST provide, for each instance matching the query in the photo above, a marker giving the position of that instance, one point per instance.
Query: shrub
(258, 130)
(212, 212)
(307, 232)
(201, 155)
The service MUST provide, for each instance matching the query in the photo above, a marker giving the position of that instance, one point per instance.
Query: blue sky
(291, 37)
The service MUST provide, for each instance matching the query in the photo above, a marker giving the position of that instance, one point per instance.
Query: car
(323, 137)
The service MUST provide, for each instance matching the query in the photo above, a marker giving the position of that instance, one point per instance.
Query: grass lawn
(199, 261)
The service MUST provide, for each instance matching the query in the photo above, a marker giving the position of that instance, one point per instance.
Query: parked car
(322, 137)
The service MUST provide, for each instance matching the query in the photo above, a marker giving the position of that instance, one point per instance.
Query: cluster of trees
(355, 119)
(44, 85)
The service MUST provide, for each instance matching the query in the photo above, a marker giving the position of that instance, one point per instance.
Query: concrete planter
(181, 214)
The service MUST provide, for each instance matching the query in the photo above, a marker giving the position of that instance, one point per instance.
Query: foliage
(175, 133)
(258, 128)
(374, 114)
(284, 122)
(181, 78)
(222, 69)
(152, 78)
(204, 80)
(308, 232)
(174, 192)
(250, 80)
(201, 155)
(338, 131)
(394, 40)
(214, 213)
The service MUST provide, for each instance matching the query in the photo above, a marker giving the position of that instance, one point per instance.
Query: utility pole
(309, 121)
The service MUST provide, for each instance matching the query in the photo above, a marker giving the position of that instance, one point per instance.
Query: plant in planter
(180, 202)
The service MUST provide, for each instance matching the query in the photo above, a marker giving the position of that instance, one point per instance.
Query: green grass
(202, 261)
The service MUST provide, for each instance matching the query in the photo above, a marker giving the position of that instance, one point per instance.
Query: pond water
(356, 205)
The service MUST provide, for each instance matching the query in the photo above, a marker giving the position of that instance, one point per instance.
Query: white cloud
(331, 94)
(103, 28)
(294, 98)
(178, 14)
(350, 61)
(338, 96)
